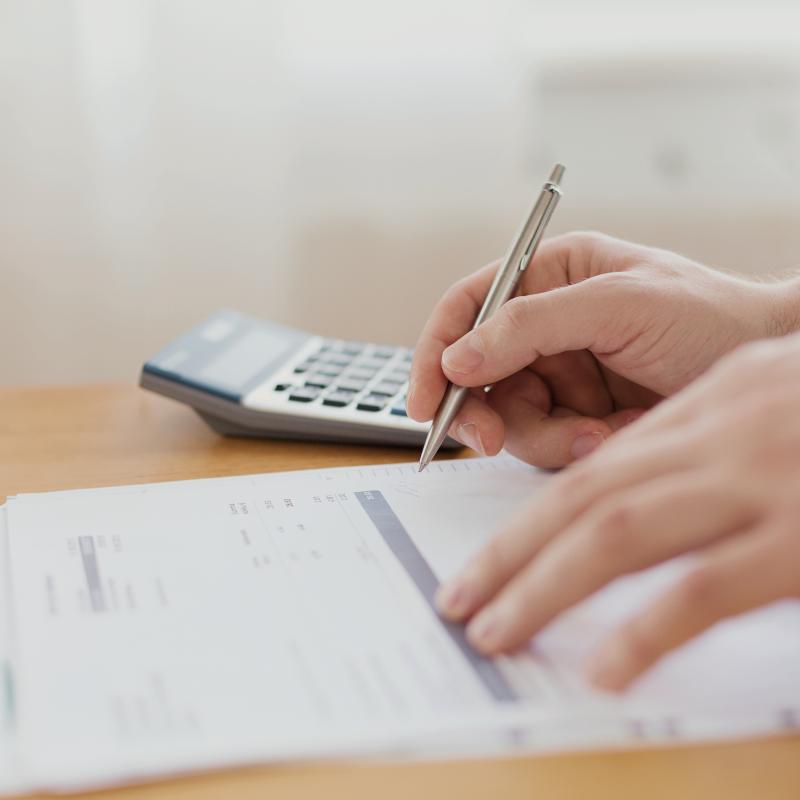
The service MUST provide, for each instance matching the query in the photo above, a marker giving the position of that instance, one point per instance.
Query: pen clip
(555, 193)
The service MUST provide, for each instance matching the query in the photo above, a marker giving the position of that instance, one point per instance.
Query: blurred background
(335, 166)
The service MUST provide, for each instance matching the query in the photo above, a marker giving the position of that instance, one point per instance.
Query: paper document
(166, 627)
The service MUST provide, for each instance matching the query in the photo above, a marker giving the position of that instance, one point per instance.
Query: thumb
(576, 317)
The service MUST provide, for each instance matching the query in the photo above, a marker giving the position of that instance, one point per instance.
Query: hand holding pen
(601, 331)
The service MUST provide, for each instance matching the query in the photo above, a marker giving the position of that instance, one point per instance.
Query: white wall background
(336, 165)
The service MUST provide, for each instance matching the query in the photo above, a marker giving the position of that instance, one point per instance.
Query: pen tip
(421, 467)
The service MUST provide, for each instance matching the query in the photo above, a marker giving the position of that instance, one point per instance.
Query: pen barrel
(522, 251)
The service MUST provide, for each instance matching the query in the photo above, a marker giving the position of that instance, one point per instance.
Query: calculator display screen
(238, 364)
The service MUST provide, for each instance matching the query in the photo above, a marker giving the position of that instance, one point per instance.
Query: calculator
(250, 377)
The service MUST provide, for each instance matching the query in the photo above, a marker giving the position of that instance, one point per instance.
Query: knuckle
(745, 366)
(455, 294)
(628, 286)
(640, 646)
(698, 590)
(515, 316)
(492, 561)
(751, 355)
(584, 240)
(610, 529)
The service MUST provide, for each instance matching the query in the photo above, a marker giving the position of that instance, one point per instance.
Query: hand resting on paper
(714, 470)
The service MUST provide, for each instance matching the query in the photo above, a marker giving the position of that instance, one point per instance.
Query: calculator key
(331, 370)
(319, 381)
(399, 411)
(337, 359)
(397, 376)
(304, 394)
(372, 402)
(348, 384)
(384, 352)
(352, 348)
(368, 363)
(282, 387)
(361, 374)
(387, 389)
(304, 367)
(338, 398)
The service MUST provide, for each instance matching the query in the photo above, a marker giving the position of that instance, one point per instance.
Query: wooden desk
(101, 435)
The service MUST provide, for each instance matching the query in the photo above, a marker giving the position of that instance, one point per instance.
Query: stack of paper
(160, 628)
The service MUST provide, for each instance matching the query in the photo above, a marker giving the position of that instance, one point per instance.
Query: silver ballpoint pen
(503, 287)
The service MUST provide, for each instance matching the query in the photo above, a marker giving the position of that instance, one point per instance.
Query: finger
(735, 576)
(621, 419)
(579, 317)
(611, 470)
(453, 315)
(616, 421)
(628, 394)
(532, 434)
(575, 381)
(683, 408)
(559, 262)
(627, 532)
(478, 426)
(576, 256)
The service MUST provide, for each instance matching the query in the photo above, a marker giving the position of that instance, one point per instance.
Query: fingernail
(468, 433)
(608, 669)
(451, 599)
(586, 443)
(484, 631)
(464, 355)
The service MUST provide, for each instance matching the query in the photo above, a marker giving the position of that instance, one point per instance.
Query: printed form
(168, 627)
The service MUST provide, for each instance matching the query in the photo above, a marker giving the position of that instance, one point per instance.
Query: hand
(714, 470)
(601, 331)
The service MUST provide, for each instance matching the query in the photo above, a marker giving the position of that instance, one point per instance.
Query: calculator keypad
(369, 378)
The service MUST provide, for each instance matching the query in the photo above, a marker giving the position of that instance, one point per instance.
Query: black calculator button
(282, 387)
(338, 398)
(399, 411)
(304, 394)
(372, 402)
(385, 388)
(349, 384)
(319, 381)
